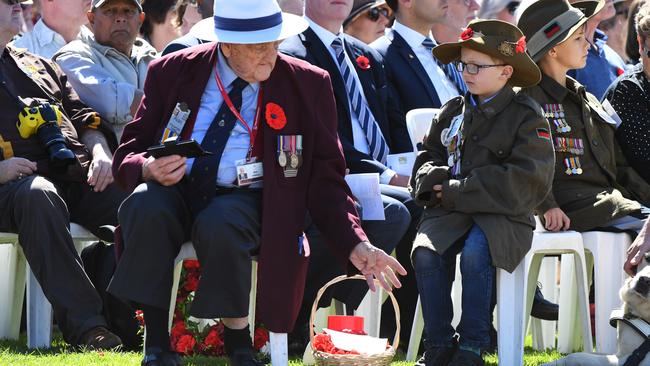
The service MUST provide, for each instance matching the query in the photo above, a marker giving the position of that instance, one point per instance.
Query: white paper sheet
(365, 187)
(363, 344)
(402, 163)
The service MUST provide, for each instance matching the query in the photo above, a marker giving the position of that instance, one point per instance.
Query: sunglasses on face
(11, 2)
(473, 69)
(374, 13)
(512, 7)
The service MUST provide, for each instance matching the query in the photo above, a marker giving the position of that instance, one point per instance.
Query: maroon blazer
(305, 93)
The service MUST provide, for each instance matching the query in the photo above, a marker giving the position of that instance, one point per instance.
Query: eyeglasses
(374, 13)
(512, 7)
(473, 69)
(11, 2)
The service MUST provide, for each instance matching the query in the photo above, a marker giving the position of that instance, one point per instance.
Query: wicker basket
(328, 359)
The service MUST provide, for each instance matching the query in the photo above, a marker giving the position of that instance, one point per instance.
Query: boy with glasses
(487, 163)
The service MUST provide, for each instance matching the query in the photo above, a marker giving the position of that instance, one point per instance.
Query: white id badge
(248, 172)
(177, 121)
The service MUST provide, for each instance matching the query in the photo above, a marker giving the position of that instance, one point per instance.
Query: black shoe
(436, 356)
(100, 338)
(158, 357)
(244, 357)
(542, 308)
(466, 358)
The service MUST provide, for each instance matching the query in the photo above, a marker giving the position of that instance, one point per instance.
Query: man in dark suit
(420, 80)
(220, 88)
(365, 104)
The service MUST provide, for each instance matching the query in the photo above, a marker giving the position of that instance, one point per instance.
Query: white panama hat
(248, 22)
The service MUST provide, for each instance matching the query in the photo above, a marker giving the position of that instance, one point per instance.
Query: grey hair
(490, 8)
(642, 21)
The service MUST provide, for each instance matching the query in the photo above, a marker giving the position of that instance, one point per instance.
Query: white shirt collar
(412, 37)
(323, 34)
(45, 35)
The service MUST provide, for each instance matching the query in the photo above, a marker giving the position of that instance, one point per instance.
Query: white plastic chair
(515, 293)
(605, 254)
(278, 341)
(511, 289)
(12, 285)
(418, 122)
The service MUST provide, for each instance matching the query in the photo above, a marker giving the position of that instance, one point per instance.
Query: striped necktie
(454, 76)
(376, 141)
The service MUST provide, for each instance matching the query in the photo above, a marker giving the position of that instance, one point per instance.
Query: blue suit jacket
(405, 73)
(381, 98)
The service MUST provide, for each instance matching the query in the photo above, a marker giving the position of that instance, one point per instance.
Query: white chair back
(418, 122)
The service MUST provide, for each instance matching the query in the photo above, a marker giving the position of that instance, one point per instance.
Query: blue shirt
(239, 140)
(604, 65)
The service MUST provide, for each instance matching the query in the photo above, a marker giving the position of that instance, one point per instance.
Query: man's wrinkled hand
(15, 168)
(166, 170)
(100, 174)
(373, 262)
(556, 220)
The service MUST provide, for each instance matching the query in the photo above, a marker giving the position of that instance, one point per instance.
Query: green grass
(15, 353)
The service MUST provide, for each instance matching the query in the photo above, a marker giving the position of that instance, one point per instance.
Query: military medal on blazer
(249, 170)
(289, 147)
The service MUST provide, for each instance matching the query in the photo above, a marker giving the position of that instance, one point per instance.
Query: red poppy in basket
(363, 62)
(521, 45)
(186, 345)
(275, 116)
(467, 34)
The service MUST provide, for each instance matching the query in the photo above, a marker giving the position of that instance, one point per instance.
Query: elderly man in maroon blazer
(269, 116)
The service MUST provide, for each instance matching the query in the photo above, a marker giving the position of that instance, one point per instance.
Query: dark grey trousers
(40, 212)
(156, 221)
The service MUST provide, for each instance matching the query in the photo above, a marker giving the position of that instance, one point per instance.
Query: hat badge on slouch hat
(248, 22)
(498, 39)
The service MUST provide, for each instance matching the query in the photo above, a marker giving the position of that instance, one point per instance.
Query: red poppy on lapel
(363, 62)
(275, 116)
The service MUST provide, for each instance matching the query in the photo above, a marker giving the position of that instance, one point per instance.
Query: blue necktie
(376, 141)
(454, 76)
(203, 176)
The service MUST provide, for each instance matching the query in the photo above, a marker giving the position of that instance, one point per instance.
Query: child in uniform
(594, 187)
(487, 163)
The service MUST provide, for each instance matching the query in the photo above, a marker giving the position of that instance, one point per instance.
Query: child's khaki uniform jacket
(506, 170)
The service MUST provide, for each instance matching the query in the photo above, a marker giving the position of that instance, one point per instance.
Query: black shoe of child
(158, 357)
(466, 358)
(244, 357)
(436, 356)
